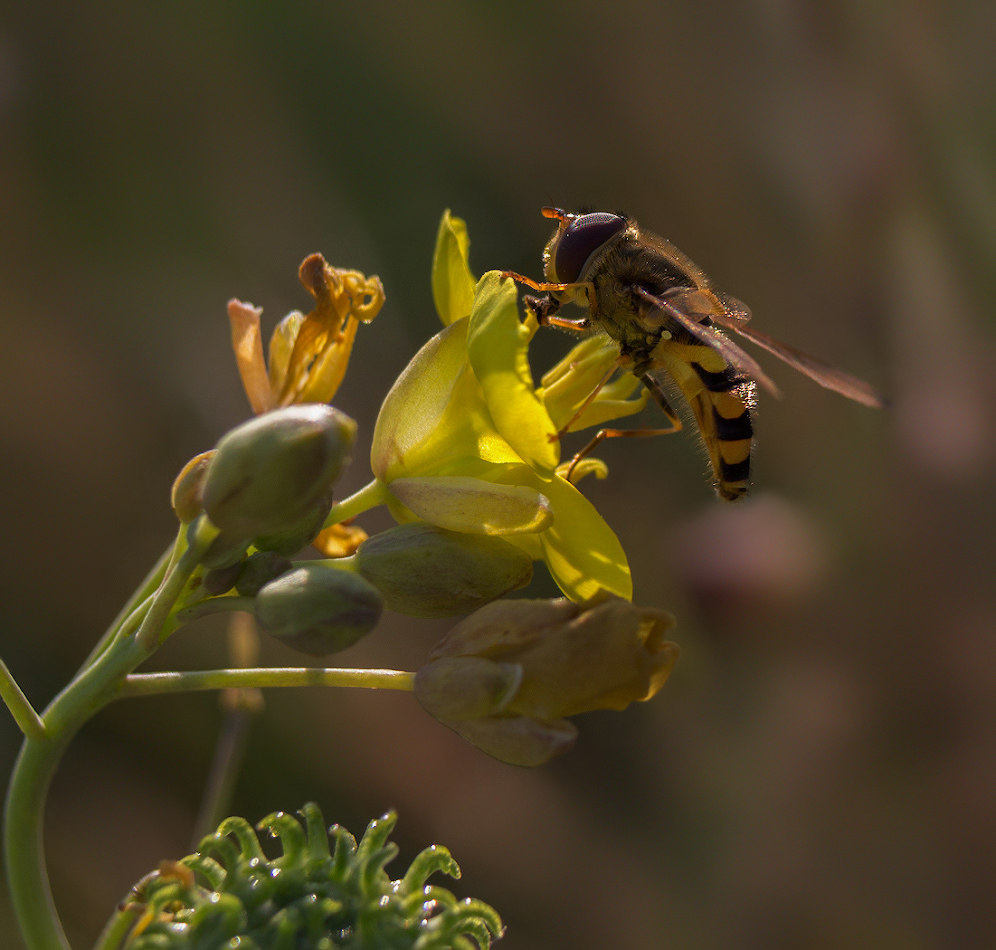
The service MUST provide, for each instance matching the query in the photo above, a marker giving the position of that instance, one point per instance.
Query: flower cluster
(466, 457)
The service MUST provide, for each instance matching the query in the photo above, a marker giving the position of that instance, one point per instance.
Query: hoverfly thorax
(578, 241)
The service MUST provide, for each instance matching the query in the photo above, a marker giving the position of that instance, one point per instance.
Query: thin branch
(31, 724)
(139, 601)
(240, 707)
(369, 496)
(173, 582)
(152, 684)
(240, 710)
(213, 605)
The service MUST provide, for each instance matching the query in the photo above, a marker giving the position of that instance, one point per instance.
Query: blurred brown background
(821, 770)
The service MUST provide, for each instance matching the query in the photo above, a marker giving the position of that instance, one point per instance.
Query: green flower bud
(224, 551)
(292, 538)
(425, 571)
(268, 473)
(186, 494)
(258, 570)
(317, 609)
(221, 580)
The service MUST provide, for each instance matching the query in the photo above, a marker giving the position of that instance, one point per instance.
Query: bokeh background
(821, 770)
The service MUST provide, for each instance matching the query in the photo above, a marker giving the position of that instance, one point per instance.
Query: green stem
(139, 599)
(200, 534)
(91, 689)
(151, 684)
(370, 496)
(348, 563)
(39, 757)
(241, 707)
(213, 605)
(120, 926)
(21, 709)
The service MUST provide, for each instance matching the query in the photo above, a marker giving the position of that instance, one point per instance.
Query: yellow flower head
(465, 441)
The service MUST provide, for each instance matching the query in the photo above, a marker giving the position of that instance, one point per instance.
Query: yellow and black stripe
(721, 400)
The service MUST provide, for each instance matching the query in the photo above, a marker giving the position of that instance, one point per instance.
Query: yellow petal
(452, 281)
(503, 628)
(320, 329)
(581, 551)
(471, 505)
(281, 347)
(530, 543)
(575, 378)
(248, 346)
(589, 347)
(589, 465)
(603, 410)
(327, 372)
(497, 347)
(518, 741)
(435, 413)
(466, 687)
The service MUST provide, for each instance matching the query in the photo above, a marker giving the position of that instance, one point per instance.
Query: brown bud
(186, 494)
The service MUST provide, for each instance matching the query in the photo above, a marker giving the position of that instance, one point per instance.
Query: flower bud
(186, 494)
(224, 551)
(269, 472)
(290, 539)
(258, 570)
(221, 580)
(425, 571)
(317, 609)
(506, 677)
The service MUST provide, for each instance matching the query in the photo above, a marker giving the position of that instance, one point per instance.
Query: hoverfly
(665, 315)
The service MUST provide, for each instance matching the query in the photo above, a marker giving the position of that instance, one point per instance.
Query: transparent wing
(682, 308)
(735, 315)
(827, 376)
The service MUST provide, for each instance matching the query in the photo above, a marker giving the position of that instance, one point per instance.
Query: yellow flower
(507, 676)
(308, 354)
(441, 457)
(465, 441)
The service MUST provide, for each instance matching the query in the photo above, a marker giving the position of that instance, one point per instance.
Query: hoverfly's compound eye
(581, 238)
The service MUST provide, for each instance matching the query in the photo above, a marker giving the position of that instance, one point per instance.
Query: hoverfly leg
(604, 434)
(589, 399)
(522, 279)
(585, 285)
(655, 390)
(546, 319)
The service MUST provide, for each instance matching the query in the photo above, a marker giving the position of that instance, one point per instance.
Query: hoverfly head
(577, 238)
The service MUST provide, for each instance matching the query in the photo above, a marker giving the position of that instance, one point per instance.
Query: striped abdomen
(721, 399)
